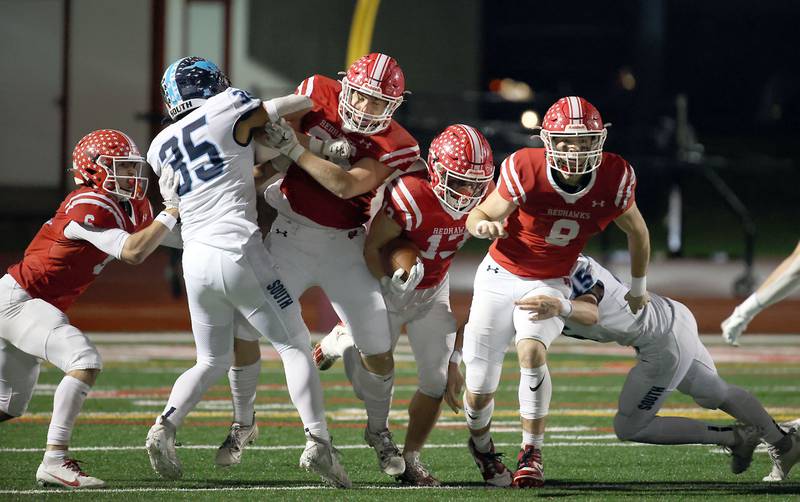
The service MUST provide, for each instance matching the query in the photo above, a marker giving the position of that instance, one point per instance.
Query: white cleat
(160, 446)
(239, 437)
(326, 352)
(732, 328)
(67, 475)
(389, 458)
(782, 462)
(748, 438)
(322, 458)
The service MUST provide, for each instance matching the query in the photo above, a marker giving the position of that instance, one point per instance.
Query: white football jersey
(616, 321)
(217, 193)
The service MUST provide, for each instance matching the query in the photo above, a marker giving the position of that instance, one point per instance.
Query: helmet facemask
(124, 176)
(362, 121)
(459, 192)
(574, 151)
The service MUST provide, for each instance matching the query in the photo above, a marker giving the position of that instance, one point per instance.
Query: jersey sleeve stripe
(402, 151)
(399, 201)
(512, 181)
(112, 205)
(629, 189)
(307, 87)
(411, 202)
(96, 202)
(410, 159)
(621, 189)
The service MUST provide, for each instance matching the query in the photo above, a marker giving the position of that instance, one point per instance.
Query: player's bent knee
(432, 384)
(380, 364)
(478, 401)
(531, 353)
(627, 428)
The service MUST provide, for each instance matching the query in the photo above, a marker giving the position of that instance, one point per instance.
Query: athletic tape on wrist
(166, 219)
(638, 286)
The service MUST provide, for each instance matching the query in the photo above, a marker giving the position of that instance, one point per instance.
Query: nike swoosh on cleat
(534, 389)
(68, 483)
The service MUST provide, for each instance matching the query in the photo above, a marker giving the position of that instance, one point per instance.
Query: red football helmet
(109, 161)
(375, 76)
(460, 166)
(573, 135)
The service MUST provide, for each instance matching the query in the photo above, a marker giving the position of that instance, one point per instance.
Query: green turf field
(583, 460)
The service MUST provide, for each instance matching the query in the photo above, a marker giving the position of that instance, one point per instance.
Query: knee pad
(433, 381)
(73, 349)
(482, 374)
(478, 419)
(535, 392)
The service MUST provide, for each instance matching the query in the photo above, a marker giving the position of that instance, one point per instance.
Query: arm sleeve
(108, 240)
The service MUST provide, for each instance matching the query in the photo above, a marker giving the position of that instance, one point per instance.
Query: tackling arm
(582, 309)
(782, 281)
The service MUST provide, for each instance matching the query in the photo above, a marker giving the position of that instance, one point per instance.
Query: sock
(188, 390)
(67, 403)
(744, 407)
(535, 392)
(305, 389)
(483, 442)
(375, 390)
(244, 380)
(411, 456)
(54, 457)
(536, 440)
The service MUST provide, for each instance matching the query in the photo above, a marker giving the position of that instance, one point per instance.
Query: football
(399, 253)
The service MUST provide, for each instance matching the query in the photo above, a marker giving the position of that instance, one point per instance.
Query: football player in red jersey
(106, 218)
(429, 209)
(548, 203)
(318, 235)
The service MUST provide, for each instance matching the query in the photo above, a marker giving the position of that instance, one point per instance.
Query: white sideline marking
(338, 447)
(57, 491)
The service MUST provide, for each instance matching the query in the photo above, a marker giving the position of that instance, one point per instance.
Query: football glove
(168, 185)
(280, 136)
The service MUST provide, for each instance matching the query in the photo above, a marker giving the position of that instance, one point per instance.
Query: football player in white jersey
(782, 281)
(231, 284)
(670, 356)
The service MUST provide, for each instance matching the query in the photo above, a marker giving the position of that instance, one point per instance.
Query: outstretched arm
(486, 220)
(634, 226)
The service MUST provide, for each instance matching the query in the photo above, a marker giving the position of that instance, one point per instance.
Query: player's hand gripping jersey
(218, 200)
(552, 226)
(58, 269)
(394, 147)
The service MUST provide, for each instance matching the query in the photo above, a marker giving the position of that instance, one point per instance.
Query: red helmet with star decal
(110, 162)
(372, 89)
(460, 166)
(573, 134)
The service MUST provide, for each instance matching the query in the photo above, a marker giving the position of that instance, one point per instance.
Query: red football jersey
(438, 233)
(57, 269)
(394, 147)
(551, 227)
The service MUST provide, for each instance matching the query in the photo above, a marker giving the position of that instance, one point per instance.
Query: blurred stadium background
(703, 98)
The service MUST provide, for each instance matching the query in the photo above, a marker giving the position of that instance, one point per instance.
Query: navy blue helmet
(189, 82)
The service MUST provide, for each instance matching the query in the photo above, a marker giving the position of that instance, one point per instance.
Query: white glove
(335, 150)
(281, 137)
(286, 105)
(168, 185)
(396, 287)
(733, 326)
(486, 229)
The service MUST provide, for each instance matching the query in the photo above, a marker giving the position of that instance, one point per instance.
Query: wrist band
(566, 308)
(315, 145)
(638, 286)
(166, 219)
(456, 357)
